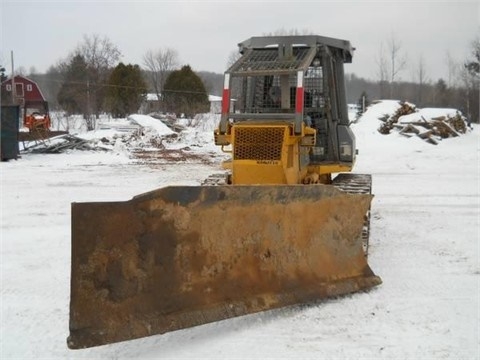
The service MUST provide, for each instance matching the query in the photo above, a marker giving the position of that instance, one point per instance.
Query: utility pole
(14, 88)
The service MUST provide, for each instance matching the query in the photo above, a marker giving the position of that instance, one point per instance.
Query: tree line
(91, 80)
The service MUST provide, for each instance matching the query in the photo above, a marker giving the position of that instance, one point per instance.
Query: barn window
(29, 87)
(19, 89)
(9, 87)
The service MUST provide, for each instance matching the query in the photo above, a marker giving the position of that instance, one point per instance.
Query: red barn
(26, 93)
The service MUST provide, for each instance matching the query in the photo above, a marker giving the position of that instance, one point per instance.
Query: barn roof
(34, 95)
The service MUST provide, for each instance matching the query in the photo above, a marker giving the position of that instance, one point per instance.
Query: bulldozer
(287, 224)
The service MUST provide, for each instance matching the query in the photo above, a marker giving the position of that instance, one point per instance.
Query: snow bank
(381, 108)
(371, 118)
(394, 151)
(428, 114)
(151, 123)
(385, 115)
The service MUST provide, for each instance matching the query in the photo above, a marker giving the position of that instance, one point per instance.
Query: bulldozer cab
(293, 79)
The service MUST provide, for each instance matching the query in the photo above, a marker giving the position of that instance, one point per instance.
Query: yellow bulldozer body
(271, 154)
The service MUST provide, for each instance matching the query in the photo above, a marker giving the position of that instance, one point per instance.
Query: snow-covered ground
(424, 244)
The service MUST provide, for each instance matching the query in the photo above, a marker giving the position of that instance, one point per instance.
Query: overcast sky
(40, 33)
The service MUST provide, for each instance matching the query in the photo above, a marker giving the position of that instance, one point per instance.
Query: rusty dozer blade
(183, 256)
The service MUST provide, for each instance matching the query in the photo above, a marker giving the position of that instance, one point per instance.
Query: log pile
(434, 129)
(457, 122)
(404, 109)
(431, 130)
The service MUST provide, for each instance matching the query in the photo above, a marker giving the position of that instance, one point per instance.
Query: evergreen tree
(362, 103)
(473, 65)
(471, 81)
(184, 92)
(442, 94)
(73, 96)
(126, 90)
(3, 77)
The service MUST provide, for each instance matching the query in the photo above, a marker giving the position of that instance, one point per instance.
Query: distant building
(25, 93)
(216, 104)
(152, 104)
(353, 107)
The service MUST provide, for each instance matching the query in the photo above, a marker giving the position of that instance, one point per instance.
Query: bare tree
(21, 70)
(398, 60)
(382, 71)
(237, 83)
(100, 55)
(420, 78)
(452, 68)
(32, 71)
(160, 63)
(233, 57)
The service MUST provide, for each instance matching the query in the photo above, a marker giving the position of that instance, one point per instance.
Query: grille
(257, 143)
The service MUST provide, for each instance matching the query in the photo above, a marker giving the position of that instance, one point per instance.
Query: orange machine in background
(35, 118)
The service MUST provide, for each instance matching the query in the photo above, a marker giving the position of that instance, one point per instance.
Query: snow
(152, 97)
(428, 114)
(214, 98)
(379, 109)
(424, 245)
(151, 123)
